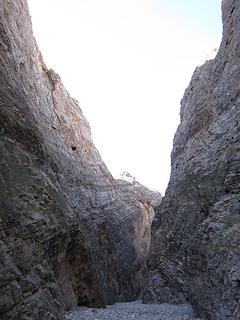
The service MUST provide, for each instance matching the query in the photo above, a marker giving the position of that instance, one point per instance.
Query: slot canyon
(72, 236)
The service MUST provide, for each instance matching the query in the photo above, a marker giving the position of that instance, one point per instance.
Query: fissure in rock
(71, 234)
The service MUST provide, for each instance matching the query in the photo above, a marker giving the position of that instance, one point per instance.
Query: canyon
(72, 235)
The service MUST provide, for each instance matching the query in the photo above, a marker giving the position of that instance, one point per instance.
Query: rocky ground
(134, 310)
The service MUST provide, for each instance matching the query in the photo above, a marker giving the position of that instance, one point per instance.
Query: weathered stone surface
(67, 229)
(196, 232)
(134, 311)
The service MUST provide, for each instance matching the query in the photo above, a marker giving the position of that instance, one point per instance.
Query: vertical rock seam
(195, 251)
(69, 233)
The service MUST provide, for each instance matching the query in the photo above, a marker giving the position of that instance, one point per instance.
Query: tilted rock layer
(195, 251)
(68, 232)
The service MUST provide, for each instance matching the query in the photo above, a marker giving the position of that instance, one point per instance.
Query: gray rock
(68, 232)
(196, 230)
(135, 310)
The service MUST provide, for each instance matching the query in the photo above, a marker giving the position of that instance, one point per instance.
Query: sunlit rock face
(195, 252)
(69, 233)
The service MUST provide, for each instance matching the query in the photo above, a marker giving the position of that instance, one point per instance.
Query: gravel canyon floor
(134, 310)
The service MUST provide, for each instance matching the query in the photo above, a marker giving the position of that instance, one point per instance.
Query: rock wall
(68, 231)
(195, 252)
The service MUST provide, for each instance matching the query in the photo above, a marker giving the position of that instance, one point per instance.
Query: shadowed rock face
(195, 252)
(68, 232)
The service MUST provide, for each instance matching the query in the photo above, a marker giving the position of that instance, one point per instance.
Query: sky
(128, 63)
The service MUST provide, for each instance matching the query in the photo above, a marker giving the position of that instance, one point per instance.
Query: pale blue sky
(203, 14)
(128, 63)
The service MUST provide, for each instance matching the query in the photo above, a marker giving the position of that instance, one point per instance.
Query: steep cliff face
(67, 228)
(195, 251)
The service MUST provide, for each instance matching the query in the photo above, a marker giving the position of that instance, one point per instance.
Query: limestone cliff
(68, 231)
(195, 253)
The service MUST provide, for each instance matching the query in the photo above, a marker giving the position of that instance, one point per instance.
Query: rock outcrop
(68, 231)
(195, 252)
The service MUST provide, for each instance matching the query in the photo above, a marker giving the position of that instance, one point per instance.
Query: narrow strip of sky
(128, 62)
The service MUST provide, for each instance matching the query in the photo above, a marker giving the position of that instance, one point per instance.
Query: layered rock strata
(195, 253)
(68, 231)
